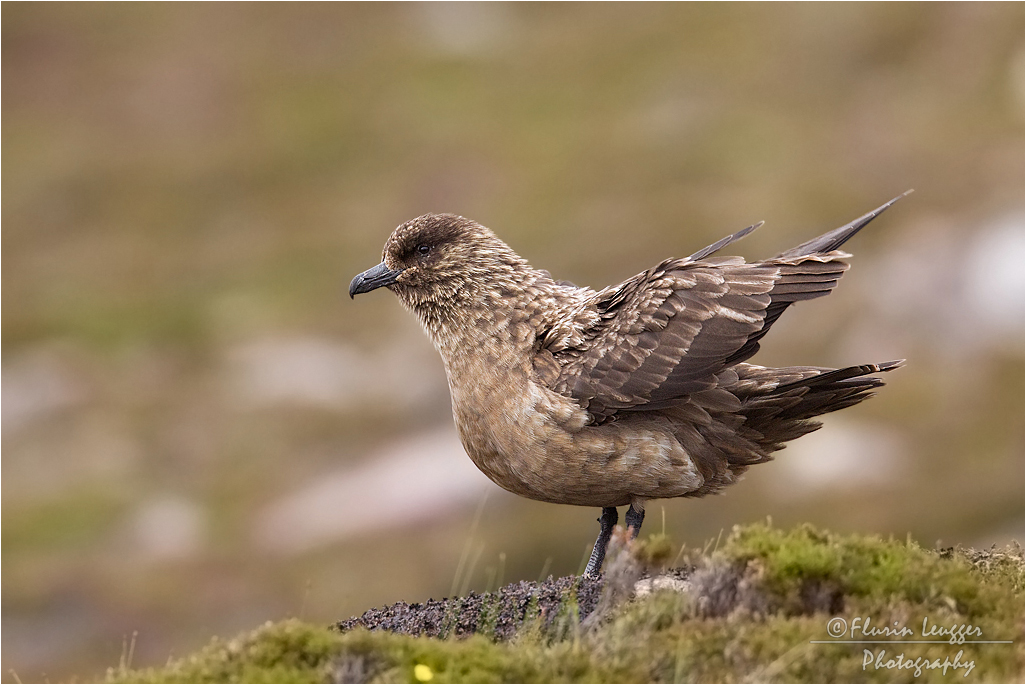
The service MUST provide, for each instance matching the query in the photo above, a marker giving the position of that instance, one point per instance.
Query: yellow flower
(423, 673)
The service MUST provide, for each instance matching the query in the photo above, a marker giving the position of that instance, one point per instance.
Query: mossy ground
(752, 609)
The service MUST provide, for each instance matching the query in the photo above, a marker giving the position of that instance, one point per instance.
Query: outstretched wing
(664, 334)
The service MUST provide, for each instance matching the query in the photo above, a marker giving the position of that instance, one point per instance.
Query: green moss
(654, 551)
(477, 659)
(286, 652)
(788, 562)
(674, 637)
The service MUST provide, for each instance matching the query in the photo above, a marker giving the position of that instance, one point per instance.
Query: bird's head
(435, 257)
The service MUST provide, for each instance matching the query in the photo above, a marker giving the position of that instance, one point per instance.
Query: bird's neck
(500, 320)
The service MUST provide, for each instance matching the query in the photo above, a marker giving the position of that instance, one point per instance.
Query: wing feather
(664, 334)
(674, 330)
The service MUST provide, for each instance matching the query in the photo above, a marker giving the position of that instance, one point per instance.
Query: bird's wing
(664, 334)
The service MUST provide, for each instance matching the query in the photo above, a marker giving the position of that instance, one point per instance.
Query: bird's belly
(531, 449)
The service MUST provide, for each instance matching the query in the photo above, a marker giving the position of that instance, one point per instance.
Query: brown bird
(638, 391)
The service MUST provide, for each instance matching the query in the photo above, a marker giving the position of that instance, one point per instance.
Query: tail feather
(778, 412)
(853, 373)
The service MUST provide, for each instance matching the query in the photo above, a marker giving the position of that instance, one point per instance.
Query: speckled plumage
(638, 391)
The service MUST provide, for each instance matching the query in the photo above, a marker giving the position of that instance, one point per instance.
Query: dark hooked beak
(373, 278)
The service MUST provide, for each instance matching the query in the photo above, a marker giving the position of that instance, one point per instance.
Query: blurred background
(201, 431)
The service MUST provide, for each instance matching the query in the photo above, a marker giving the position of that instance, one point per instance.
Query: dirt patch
(497, 615)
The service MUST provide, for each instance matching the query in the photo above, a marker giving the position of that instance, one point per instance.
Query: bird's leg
(633, 519)
(606, 524)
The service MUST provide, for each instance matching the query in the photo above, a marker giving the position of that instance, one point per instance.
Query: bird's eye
(423, 249)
